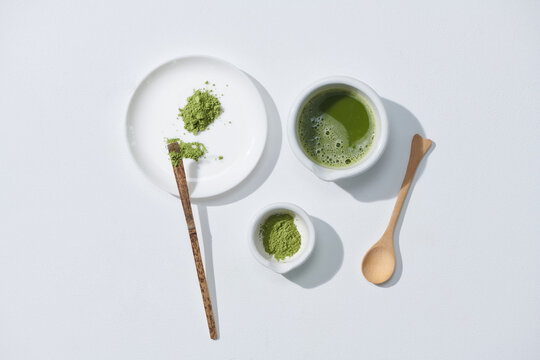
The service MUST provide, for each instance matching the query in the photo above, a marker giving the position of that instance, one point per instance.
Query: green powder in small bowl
(280, 236)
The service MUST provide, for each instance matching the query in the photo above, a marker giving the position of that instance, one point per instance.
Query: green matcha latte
(336, 128)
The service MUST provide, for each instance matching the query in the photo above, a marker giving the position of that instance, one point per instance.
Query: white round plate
(238, 134)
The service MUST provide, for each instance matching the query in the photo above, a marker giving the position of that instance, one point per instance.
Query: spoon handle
(419, 147)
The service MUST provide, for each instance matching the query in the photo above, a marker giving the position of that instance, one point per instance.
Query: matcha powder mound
(188, 150)
(280, 236)
(201, 110)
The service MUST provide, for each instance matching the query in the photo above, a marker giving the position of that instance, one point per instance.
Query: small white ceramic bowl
(381, 123)
(305, 228)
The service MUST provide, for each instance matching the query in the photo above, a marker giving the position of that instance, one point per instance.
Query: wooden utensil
(380, 261)
(180, 175)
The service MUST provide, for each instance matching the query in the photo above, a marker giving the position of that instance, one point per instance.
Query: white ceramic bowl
(381, 123)
(305, 228)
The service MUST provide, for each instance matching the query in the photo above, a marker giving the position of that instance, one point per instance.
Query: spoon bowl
(379, 263)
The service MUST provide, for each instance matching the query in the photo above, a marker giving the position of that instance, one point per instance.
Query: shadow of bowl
(325, 261)
(383, 180)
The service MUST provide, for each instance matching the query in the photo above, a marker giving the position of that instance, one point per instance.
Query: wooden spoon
(380, 261)
(181, 182)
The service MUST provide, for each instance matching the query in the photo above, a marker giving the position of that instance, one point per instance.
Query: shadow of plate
(266, 163)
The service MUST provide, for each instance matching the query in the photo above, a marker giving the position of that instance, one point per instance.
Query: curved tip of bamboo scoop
(380, 261)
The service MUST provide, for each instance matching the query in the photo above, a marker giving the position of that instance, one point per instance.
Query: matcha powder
(201, 110)
(280, 236)
(188, 150)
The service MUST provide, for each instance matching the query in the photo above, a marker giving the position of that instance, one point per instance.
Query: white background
(95, 262)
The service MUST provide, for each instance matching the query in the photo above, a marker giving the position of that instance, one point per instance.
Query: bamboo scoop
(181, 182)
(380, 261)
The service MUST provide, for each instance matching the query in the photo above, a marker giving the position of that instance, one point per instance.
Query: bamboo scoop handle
(419, 147)
(180, 175)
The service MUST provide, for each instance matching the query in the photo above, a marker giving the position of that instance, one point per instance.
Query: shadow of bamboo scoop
(380, 261)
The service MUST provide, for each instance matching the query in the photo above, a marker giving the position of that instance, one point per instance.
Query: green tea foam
(336, 128)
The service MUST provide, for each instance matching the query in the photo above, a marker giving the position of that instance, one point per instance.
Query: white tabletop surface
(95, 262)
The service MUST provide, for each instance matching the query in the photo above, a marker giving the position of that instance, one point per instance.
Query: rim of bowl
(332, 174)
(278, 267)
